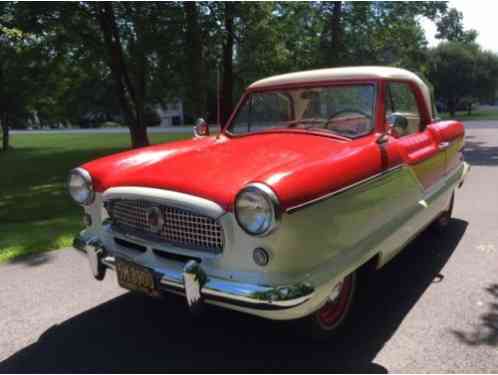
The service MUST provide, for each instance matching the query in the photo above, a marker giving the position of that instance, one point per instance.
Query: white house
(170, 113)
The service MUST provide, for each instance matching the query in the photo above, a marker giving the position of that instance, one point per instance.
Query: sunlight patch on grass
(36, 212)
(26, 238)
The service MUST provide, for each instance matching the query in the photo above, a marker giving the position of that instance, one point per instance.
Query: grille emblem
(155, 219)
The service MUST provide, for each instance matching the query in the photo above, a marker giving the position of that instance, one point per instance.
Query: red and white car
(315, 175)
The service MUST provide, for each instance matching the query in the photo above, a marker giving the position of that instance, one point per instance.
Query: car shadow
(134, 333)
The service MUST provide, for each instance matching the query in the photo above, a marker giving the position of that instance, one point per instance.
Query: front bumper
(191, 281)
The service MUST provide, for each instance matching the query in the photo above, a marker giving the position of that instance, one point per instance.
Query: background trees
(105, 59)
(26, 74)
(461, 72)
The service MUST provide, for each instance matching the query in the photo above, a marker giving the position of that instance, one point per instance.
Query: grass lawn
(36, 212)
(475, 116)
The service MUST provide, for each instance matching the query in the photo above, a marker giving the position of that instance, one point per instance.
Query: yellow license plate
(134, 277)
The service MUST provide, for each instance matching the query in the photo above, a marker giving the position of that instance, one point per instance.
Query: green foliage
(461, 72)
(34, 199)
(74, 74)
(450, 27)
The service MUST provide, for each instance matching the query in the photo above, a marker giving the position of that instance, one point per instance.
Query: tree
(22, 79)
(127, 57)
(450, 27)
(228, 45)
(332, 34)
(131, 93)
(452, 71)
(486, 76)
(193, 46)
(126, 37)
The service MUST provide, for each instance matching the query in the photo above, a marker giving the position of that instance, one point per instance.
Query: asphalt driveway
(434, 308)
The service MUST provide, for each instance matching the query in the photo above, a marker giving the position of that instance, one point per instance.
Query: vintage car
(315, 176)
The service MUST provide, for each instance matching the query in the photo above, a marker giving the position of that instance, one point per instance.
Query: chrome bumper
(198, 287)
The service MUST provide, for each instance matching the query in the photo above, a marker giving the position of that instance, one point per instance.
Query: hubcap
(337, 305)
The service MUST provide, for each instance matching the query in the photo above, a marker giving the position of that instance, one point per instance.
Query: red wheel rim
(333, 311)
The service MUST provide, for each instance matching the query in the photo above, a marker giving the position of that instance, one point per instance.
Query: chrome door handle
(444, 145)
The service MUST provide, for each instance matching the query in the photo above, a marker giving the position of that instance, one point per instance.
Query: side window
(400, 99)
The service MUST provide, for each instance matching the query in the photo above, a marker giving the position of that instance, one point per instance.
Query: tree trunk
(132, 105)
(5, 132)
(227, 86)
(452, 107)
(194, 63)
(138, 136)
(336, 33)
(331, 39)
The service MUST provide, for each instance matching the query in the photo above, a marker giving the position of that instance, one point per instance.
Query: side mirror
(398, 123)
(201, 128)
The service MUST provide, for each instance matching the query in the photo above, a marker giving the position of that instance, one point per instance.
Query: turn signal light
(260, 256)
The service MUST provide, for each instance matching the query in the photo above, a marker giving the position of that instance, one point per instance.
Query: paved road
(433, 308)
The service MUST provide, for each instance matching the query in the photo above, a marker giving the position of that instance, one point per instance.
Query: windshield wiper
(293, 123)
(334, 133)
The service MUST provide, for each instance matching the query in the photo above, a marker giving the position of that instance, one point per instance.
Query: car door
(418, 146)
(415, 148)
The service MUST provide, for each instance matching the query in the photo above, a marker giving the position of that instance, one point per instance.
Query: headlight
(257, 209)
(80, 186)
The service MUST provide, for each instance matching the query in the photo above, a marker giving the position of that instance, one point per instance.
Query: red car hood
(297, 166)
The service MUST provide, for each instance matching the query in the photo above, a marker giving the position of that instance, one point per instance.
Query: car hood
(298, 167)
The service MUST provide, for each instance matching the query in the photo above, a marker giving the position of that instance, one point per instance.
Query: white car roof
(346, 73)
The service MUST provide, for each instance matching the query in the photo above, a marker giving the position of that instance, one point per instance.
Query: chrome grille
(181, 227)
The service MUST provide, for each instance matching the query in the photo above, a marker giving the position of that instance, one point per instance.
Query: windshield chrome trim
(375, 83)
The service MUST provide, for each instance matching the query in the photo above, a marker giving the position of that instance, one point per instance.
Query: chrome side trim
(382, 174)
(166, 197)
(444, 145)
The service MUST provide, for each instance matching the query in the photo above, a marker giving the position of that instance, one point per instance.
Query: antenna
(218, 94)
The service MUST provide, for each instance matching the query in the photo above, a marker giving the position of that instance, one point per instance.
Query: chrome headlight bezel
(87, 183)
(268, 196)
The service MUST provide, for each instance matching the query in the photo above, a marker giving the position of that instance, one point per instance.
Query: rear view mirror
(309, 95)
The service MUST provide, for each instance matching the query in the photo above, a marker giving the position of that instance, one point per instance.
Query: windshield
(343, 110)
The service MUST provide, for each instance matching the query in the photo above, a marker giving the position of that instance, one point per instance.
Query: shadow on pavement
(32, 260)
(486, 333)
(132, 332)
(480, 153)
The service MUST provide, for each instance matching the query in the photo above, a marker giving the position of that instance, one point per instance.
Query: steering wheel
(295, 123)
(347, 110)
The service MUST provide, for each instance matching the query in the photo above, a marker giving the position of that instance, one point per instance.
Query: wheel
(326, 321)
(442, 222)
